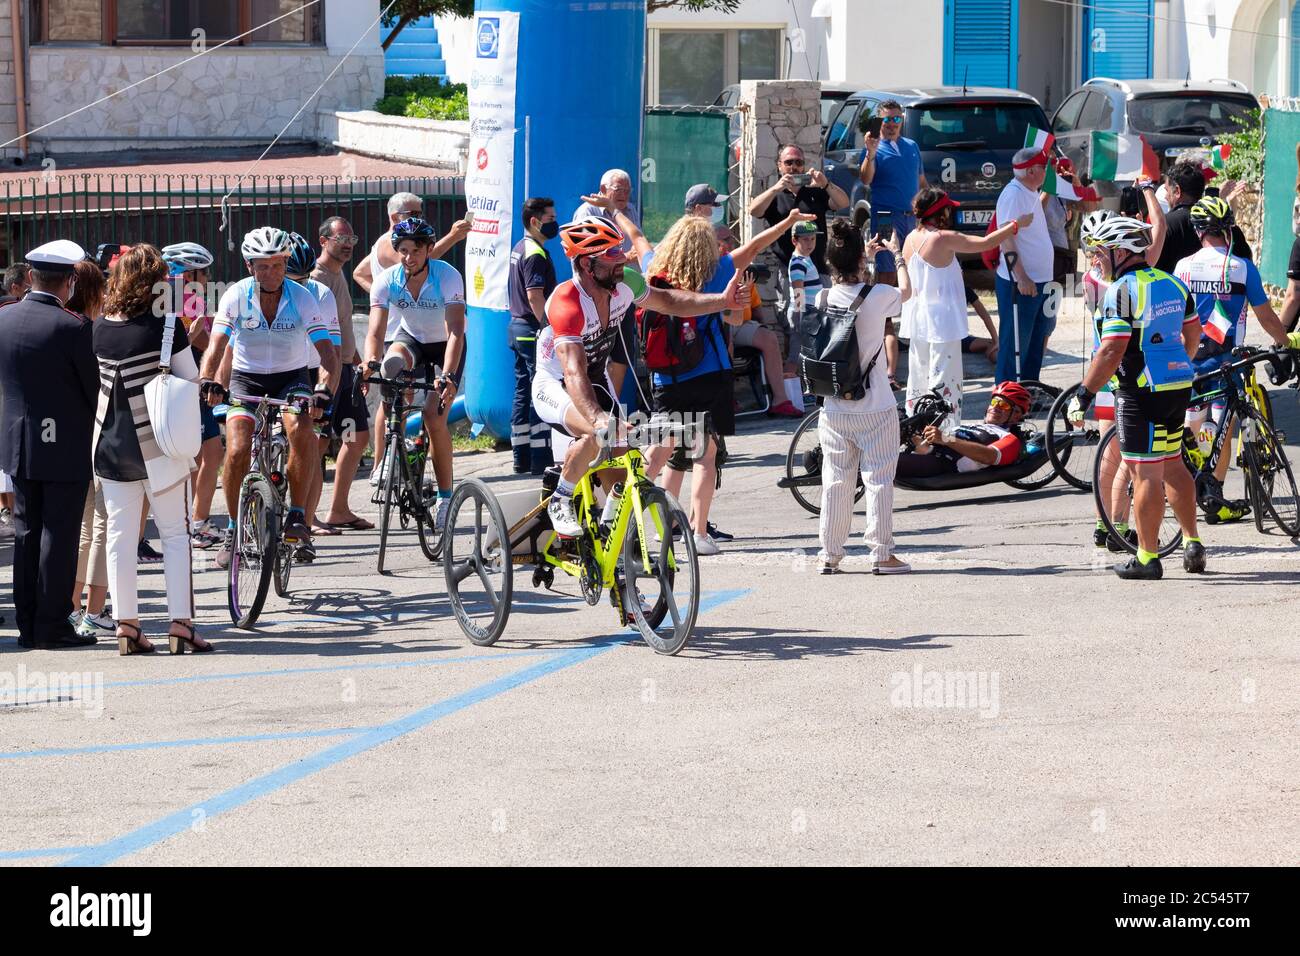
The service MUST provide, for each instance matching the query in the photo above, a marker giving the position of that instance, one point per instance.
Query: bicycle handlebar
(303, 402)
(1275, 357)
(653, 432)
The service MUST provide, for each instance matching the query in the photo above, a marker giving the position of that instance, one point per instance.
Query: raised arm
(958, 242)
(1155, 216)
(744, 256)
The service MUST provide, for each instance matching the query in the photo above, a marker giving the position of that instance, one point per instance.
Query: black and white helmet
(1118, 232)
(1092, 222)
(266, 242)
(187, 256)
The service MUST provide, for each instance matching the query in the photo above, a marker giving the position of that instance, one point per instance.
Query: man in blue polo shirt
(891, 166)
(532, 280)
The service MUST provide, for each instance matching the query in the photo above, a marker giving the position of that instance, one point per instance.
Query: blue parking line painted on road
(37, 854)
(193, 742)
(178, 822)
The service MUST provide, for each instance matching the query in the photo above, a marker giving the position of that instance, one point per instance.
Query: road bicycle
(407, 483)
(259, 554)
(1266, 471)
(637, 547)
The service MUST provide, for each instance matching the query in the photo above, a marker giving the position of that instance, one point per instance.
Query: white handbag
(173, 405)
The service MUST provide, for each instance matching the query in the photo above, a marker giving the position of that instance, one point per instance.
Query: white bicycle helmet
(266, 242)
(1118, 232)
(1092, 222)
(187, 256)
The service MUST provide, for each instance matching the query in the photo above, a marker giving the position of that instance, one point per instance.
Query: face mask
(550, 230)
(718, 214)
(1162, 197)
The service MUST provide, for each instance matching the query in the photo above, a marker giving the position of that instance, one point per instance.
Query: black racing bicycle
(407, 483)
(1270, 484)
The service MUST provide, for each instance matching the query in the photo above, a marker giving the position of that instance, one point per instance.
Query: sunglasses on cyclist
(1000, 402)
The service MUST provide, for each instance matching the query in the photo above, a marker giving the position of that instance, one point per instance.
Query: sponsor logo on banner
(489, 182)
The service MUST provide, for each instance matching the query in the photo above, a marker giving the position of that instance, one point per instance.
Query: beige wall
(8, 100)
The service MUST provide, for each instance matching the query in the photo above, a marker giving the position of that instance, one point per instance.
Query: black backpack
(829, 362)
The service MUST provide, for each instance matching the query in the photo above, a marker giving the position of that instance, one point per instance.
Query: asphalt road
(1010, 702)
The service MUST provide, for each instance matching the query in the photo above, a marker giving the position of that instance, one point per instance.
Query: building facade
(75, 52)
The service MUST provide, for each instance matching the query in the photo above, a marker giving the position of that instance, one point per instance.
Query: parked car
(1172, 115)
(967, 137)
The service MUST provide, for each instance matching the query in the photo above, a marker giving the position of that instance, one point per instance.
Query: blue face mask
(550, 230)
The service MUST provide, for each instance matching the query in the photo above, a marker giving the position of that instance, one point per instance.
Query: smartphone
(801, 179)
(873, 126)
(885, 225)
(469, 217)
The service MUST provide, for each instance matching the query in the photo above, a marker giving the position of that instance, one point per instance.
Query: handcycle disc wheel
(1112, 492)
(661, 590)
(388, 492)
(804, 461)
(476, 562)
(1073, 448)
(424, 507)
(1035, 422)
(1275, 487)
(252, 553)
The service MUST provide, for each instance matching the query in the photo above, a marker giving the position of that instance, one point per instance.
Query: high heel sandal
(127, 646)
(179, 644)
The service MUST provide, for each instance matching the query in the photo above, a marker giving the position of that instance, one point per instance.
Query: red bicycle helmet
(1016, 394)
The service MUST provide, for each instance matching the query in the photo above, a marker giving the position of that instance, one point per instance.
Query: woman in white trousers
(860, 436)
(127, 460)
(935, 314)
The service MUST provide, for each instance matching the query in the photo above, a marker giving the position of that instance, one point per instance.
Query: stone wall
(245, 92)
(441, 143)
(8, 96)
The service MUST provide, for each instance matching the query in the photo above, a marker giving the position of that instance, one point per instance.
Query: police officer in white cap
(49, 380)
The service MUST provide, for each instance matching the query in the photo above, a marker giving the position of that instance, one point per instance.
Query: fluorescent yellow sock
(1146, 557)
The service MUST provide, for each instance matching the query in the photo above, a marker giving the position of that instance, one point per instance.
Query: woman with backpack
(936, 313)
(860, 434)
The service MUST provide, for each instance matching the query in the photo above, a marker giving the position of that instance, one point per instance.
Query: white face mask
(718, 215)
(1162, 196)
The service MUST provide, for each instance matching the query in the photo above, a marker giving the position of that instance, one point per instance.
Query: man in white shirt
(1021, 290)
(617, 185)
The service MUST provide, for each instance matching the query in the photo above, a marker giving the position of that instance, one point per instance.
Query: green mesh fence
(679, 149)
(1281, 133)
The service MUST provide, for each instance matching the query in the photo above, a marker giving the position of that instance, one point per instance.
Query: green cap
(806, 227)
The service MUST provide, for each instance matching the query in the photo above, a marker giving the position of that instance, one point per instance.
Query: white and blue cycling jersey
(261, 347)
(1224, 288)
(329, 311)
(423, 318)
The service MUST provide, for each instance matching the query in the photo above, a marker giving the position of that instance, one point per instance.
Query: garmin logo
(73, 909)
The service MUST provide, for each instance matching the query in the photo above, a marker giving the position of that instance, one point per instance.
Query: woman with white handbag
(147, 432)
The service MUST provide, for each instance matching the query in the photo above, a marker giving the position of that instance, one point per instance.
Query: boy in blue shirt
(805, 281)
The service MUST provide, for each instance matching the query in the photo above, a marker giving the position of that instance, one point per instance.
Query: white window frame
(731, 61)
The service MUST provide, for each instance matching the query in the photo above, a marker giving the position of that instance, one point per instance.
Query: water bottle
(415, 454)
(611, 507)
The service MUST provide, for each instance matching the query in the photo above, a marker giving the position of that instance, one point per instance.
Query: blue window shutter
(1295, 51)
(1124, 29)
(980, 42)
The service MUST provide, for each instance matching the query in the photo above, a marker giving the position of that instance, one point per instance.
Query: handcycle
(1270, 484)
(1034, 469)
(407, 481)
(643, 554)
(259, 554)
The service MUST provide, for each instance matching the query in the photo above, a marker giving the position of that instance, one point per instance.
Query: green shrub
(1246, 161)
(424, 97)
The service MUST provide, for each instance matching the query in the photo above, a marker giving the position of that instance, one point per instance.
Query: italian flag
(1219, 156)
(1038, 139)
(1117, 156)
(1053, 185)
(1218, 325)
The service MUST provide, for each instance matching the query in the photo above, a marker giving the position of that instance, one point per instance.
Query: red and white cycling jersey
(571, 317)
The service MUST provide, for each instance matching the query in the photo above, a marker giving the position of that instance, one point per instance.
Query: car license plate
(976, 217)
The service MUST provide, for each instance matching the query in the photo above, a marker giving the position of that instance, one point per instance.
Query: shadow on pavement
(764, 643)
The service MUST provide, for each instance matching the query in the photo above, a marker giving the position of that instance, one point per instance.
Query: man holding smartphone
(796, 188)
(891, 166)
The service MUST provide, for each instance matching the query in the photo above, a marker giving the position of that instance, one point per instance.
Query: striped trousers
(853, 443)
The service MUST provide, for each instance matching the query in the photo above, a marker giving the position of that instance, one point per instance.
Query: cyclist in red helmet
(995, 441)
(572, 391)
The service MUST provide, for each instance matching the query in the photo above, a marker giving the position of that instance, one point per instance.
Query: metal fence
(129, 208)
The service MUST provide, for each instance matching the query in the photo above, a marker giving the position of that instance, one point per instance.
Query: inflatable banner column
(555, 99)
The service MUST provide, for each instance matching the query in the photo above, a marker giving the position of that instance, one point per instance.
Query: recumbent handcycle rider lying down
(994, 442)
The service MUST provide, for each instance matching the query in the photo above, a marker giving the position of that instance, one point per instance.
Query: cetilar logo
(489, 37)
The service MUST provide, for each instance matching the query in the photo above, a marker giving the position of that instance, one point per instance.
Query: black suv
(1172, 115)
(967, 137)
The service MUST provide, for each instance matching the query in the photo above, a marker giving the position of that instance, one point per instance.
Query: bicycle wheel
(1034, 424)
(252, 553)
(476, 562)
(661, 590)
(423, 491)
(1270, 473)
(1073, 448)
(1112, 490)
(284, 559)
(803, 466)
(393, 474)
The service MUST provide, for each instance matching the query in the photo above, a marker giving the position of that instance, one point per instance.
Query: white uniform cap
(57, 256)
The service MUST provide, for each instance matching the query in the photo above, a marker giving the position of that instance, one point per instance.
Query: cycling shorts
(265, 385)
(551, 401)
(1151, 424)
